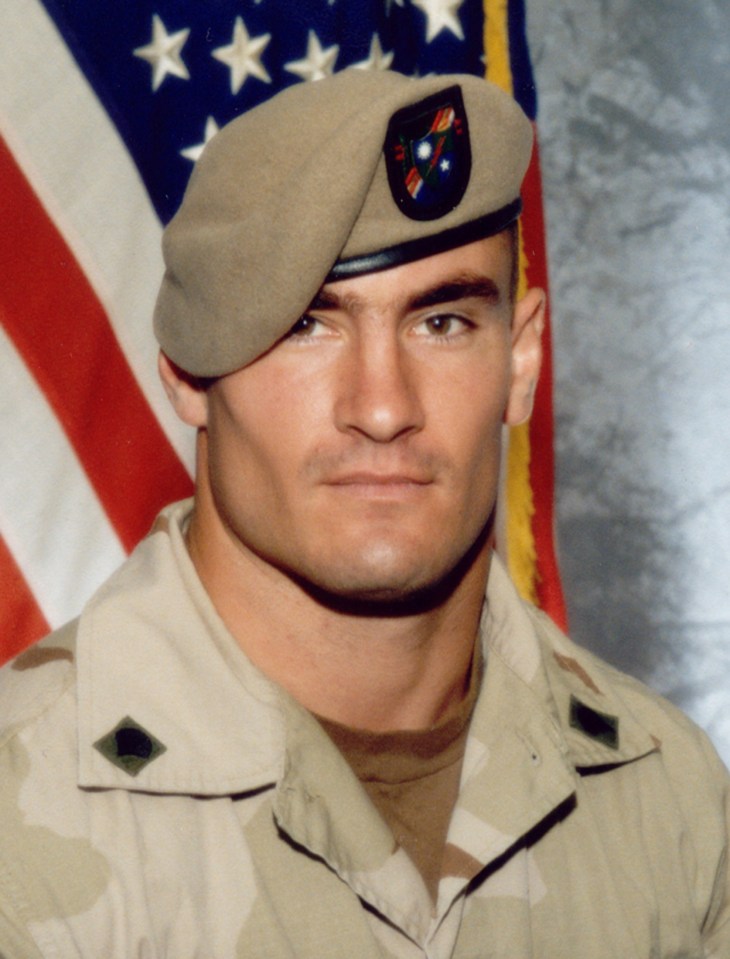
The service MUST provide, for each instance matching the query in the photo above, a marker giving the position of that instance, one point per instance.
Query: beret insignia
(428, 155)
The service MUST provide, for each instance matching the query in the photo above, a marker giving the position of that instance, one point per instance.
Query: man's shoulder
(38, 678)
(35, 681)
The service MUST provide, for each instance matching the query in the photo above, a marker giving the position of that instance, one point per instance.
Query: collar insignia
(129, 746)
(599, 726)
(428, 155)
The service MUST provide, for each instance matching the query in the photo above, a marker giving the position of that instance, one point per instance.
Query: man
(292, 725)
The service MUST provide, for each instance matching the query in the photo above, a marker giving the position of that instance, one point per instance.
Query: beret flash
(354, 173)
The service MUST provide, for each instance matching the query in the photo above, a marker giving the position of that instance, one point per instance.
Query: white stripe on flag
(49, 514)
(80, 169)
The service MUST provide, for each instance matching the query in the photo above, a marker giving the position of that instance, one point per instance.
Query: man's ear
(186, 393)
(528, 322)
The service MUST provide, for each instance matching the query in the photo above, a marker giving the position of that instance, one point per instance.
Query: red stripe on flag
(59, 327)
(21, 621)
(542, 457)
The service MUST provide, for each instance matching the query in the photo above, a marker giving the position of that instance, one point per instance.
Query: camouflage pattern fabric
(159, 797)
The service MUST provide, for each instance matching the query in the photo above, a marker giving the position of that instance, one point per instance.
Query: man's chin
(374, 599)
(387, 589)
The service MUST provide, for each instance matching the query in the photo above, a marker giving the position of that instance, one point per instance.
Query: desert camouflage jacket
(159, 797)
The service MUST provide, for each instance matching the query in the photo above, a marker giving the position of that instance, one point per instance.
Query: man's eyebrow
(463, 287)
(466, 287)
(325, 301)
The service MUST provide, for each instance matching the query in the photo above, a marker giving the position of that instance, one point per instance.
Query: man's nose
(379, 392)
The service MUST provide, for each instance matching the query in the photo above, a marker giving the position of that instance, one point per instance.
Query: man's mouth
(376, 485)
(379, 479)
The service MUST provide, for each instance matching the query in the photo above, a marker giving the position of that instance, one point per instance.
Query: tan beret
(358, 172)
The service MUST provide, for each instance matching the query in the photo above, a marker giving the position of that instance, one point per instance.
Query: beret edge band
(484, 226)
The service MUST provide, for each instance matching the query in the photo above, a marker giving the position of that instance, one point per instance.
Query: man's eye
(305, 326)
(442, 325)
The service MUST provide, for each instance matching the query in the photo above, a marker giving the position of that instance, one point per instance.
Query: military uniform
(159, 797)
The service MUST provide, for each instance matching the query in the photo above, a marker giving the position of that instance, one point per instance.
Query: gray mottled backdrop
(635, 132)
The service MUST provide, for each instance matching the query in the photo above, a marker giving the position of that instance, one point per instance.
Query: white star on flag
(163, 53)
(243, 56)
(424, 151)
(318, 63)
(440, 15)
(193, 153)
(377, 59)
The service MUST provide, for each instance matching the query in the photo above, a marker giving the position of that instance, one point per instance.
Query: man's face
(361, 453)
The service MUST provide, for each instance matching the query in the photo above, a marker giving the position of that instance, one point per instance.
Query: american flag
(104, 109)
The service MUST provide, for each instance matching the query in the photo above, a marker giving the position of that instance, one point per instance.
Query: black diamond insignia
(599, 726)
(129, 746)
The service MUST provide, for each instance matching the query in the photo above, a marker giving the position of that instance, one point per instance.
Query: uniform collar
(169, 703)
(163, 682)
(523, 758)
(584, 703)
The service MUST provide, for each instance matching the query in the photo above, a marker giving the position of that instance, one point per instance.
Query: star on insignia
(243, 56)
(163, 53)
(318, 63)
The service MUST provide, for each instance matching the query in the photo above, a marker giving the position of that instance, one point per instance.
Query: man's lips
(379, 479)
(390, 487)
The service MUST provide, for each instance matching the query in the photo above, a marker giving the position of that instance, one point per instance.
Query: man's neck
(379, 672)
